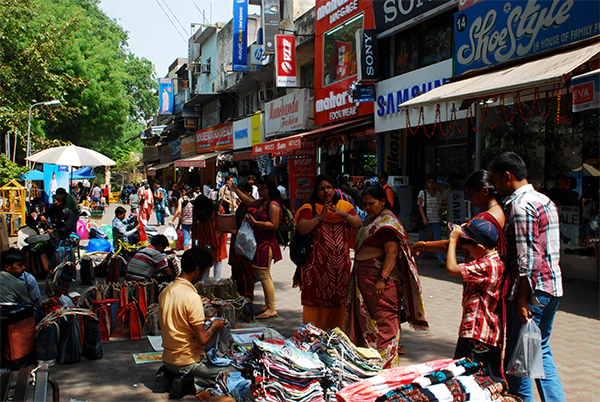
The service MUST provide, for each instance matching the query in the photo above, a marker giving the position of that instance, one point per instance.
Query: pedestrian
(134, 199)
(324, 279)
(382, 178)
(160, 203)
(252, 181)
(207, 188)
(106, 193)
(204, 234)
(533, 265)
(185, 213)
(96, 194)
(226, 197)
(480, 334)
(146, 204)
(430, 202)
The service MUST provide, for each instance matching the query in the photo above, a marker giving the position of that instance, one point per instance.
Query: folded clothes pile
(307, 338)
(232, 383)
(282, 372)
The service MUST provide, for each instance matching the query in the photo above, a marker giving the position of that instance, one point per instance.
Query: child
(480, 332)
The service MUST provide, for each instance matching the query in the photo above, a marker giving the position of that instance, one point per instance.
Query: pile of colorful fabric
(439, 380)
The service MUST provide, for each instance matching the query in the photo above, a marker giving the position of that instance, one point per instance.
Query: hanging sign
(240, 35)
(366, 55)
(285, 60)
(287, 113)
(165, 99)
(270, 23)
(302, 172)
(217, 138)
(586, 91)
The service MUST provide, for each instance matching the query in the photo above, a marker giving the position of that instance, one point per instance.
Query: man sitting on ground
(150, 262)
(14, 289)
(184, 334)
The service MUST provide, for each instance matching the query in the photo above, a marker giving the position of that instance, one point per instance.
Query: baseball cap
(480, 231)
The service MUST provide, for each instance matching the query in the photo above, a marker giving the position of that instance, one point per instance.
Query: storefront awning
(294, 142)
(161, 166)
(197, 161)
(536, 73)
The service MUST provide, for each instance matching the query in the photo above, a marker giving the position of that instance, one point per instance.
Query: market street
(574, 340)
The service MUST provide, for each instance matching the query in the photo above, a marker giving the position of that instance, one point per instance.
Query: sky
(153, 36)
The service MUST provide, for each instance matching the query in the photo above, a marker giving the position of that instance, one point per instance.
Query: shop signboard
(217, 138)
(586, 91)
(258, 55)
(285, 61)
(302, 172)
(247, 132)
(283, 145)
(188, 146)
(393, 92)
(175, 150)
(287, 113)
(270, 23)
(456, 207)
(393, 15)
(366, 55)
(334, 104)
(493, 32)
(307, 148)
(165, 89)
(240, 35)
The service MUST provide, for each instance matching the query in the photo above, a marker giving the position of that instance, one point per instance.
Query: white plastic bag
(170, 233)
(245, 242)
(526, 360)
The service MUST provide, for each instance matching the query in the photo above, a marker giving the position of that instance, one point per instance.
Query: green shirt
(13, 289)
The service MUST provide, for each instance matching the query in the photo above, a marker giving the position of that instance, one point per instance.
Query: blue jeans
(437, 235)
(549, 388)
(160, 217)
(187, 235)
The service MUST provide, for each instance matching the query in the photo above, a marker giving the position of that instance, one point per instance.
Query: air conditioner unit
(205, 68)
(265, 95)
(198, 68)
(398, 180)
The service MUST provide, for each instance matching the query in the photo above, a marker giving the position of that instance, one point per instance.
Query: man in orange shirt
(389, 192)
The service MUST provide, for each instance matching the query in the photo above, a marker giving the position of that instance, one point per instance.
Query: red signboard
(302, 172)
(333, 104)
(583, 93)
(182, 163)
(217, 138)
(285, 60)
(283, 145)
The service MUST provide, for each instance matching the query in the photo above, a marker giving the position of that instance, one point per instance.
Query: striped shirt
(145, 264)
(533, 241)
(432, 205)
(482, 282)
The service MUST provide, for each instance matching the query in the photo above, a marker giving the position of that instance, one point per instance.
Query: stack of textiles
(440, 380)
(282, 372)
(347, 363)
(232, 383)
(307, 338)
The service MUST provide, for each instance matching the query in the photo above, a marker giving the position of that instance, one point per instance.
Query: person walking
(533, 264)
(185, 213)
(160, 203)
(324, 279)
(430, 202)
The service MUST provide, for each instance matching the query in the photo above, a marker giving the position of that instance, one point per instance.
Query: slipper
(266, 316)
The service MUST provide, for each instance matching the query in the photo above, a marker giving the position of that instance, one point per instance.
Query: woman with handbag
(430, 202)
(185, 213)
(325, 277)
(265, 222)
(206, 235)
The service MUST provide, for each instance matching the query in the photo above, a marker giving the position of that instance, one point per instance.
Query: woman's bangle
(318, 218)
(385, 278)
(346, 215)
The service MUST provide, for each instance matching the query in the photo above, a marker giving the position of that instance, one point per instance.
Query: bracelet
(319, 218)
(347, 215)
(385, 278)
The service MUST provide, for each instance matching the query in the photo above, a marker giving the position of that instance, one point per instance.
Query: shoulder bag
(225, 223)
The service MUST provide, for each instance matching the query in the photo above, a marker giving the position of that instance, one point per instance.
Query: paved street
(575, 340)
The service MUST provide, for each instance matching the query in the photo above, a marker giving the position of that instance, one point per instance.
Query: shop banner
(493, 32)
(175, 149)
(395, 91)
(240, 35)
(333, 104)
(393, 15)
(343, 51)
(270, 23)
(307, 148)
(188, 146)
(586, 91)
(288, 113)
(165, 89)
(217, 138)
(256, 129)
(366, 55)
(182, 163)
(247, 132)
(283, 145)
(285, 60)
(302, 173)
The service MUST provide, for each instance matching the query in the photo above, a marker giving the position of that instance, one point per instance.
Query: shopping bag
(245, 242)
(180, 240)
(170, 233)
(526, 360)
(225, 223)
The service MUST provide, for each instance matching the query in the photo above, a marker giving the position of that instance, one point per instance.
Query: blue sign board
(175, 150)
(240, 35)
(493, 32)
(179, 101)
(165, 96)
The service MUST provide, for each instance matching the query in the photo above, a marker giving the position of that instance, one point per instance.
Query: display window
(339, 51)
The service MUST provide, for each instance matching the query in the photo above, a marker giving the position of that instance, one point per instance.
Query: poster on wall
(165, 99)
(55, 176)
(301, 172)
(240, 35)
(342, 67)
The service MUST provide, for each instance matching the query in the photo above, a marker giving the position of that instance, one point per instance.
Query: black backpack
(396, 208)
(287, 227)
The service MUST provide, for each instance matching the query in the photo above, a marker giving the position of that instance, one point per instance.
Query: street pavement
(575, 339)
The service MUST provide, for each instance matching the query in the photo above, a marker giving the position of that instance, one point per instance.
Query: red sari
(374, 322)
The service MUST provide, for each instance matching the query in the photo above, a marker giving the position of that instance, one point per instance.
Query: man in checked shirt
(534, 274)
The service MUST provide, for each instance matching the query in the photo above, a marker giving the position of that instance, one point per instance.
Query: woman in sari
(204, 234)
(384, 274)
(265, 222)
(325, 277)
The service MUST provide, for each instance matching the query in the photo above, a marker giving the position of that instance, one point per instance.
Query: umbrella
(71, 155)
(588, 170)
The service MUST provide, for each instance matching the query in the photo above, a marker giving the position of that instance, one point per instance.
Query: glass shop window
(340, 51)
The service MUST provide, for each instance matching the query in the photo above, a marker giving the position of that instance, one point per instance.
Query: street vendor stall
(13, 205)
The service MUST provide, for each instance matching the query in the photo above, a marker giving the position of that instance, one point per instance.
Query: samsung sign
(395, 91)
(391, 15)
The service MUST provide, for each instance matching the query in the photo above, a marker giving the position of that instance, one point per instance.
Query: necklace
(495, 205)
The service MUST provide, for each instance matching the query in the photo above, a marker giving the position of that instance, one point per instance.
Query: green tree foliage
(71, 51)
(9, 170)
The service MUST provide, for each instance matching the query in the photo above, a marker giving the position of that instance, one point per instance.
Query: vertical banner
(165, 99)
(256, 135)
(285, 60)
(342, 66)
(240, 35)
(302, 173)
(270, 24)
(366, 55)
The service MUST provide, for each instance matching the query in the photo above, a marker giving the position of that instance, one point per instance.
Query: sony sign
(392, 13)
(366, 55)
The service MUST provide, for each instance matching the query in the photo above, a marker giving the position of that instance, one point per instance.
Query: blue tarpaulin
(33, 175)
(86, 172)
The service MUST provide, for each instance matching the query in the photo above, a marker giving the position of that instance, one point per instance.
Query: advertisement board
(240, 35)
(334, 104)
(493, 32)
(165, 98)
(366, 55)
(217, 138)
(247, 131)
(302, 172)
(287, 113)
(270, 23)
(586, 91)
(392, 15)
(285, 61)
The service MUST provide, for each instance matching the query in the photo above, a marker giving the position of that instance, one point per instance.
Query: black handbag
(301, 246)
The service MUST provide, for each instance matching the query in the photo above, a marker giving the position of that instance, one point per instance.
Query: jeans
(160, 217)
(217, 267)
(549, 388)
(187, 235)
(437, 235)
(204, 372)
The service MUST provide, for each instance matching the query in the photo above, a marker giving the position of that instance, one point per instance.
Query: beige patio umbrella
(71, 155)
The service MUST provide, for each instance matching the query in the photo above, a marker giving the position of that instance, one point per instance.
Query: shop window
(406, 53)
(435, 44)
(307, 75)
(340, 51)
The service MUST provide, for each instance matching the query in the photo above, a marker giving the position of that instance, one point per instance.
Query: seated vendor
(181, 318)
(121, 225)
(13, 289)
(62, 220)
(150, 262)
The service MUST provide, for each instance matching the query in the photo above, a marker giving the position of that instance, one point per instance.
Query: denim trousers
(437, 235)
(550, 387)
(160, 217)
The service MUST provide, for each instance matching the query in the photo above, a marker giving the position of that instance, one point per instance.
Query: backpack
(396, 208)
(287, 227)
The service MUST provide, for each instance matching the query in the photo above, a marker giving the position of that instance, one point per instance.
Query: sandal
(265, 316)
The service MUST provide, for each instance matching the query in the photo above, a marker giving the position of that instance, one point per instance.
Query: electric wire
(171, 21)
